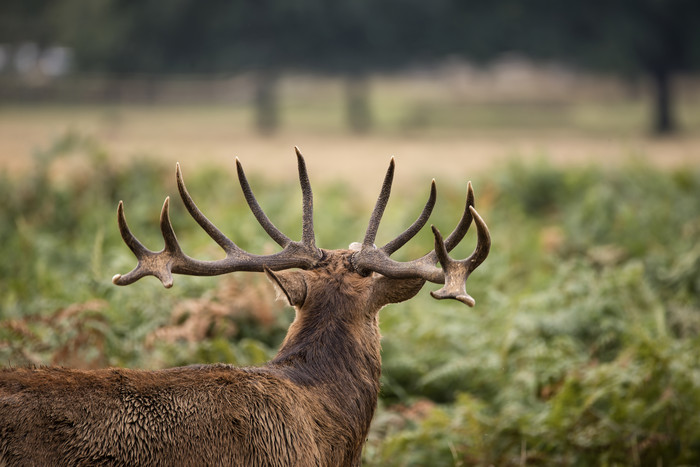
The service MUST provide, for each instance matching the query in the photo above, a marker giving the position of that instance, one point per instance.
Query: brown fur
(310, 406)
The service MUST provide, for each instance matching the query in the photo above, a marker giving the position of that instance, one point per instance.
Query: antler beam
(304, 254)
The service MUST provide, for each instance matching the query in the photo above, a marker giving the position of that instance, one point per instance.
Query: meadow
(583, 348)
(427, 119)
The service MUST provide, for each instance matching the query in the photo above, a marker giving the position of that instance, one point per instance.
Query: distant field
(434, 128)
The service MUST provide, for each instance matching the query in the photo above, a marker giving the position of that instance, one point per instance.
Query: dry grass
(213, 135)
(216, 313)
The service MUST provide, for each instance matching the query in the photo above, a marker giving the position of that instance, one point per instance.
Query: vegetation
(583, 348)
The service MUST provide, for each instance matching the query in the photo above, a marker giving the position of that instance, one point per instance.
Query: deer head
(371, 268)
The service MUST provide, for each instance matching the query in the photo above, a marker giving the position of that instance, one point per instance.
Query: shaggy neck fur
(343, 361)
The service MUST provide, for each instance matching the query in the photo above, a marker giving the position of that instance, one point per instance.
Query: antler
(171, 259)
(453, 274)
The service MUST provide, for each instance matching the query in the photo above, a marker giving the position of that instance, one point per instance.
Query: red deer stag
(309, 406)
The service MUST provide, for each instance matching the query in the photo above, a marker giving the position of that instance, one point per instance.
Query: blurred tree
(655, 38)
(180, 36)
(24, 30)
(24, 21)
(632, 38)
(353, 38)
(350, 38)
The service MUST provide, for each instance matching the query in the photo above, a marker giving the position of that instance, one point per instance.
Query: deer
(311, 405)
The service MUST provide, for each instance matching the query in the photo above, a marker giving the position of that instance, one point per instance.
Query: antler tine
(455, 276)
(134, 245)
(151, 263)
(457, 272)
(458, 232)
(171, 259)
(222, 240)
(483, 243)
(166, 229)
(307, 235)
(418, 224)
(274, 233)
(382, 201)
(131, 241)
(464, 223)
(453, 273)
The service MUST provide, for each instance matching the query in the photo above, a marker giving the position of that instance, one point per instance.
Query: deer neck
(323, 349)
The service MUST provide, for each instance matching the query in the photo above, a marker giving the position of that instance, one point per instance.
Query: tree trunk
(664, 122)
(359, 113)
(266, 102)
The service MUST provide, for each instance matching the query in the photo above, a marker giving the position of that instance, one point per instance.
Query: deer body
(309, 406)
(209, 415)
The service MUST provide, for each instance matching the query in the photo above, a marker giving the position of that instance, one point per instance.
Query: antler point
(468, 300)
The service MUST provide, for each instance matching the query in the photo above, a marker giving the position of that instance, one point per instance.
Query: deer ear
(290, 285)
(386, 290)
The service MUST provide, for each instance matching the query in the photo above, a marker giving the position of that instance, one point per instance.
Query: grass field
(584, 346)
(440, 125)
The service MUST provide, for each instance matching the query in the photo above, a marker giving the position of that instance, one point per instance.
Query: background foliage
(583, 348)
(653, 39)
